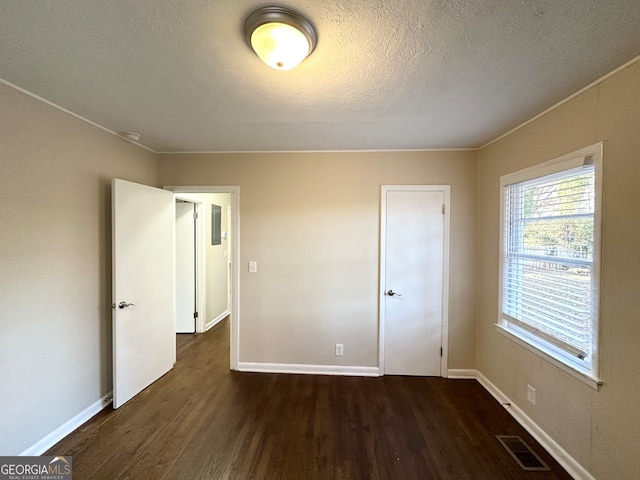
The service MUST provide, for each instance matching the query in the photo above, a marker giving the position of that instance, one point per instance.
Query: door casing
(234, 356)
(446, 190)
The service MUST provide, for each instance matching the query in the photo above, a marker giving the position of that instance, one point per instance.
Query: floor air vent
(522, 453)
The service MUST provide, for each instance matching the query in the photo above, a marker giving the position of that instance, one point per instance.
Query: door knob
(391, 293)
(122, 305)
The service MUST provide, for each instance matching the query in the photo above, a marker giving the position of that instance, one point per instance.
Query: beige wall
(55, 315)
(311, 221)
(599, 429)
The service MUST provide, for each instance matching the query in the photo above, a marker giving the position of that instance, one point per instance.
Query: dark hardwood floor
(202, 421)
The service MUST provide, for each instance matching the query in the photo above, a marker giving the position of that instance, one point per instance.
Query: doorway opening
(216, 250)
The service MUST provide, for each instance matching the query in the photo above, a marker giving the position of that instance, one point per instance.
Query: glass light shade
(279, 45)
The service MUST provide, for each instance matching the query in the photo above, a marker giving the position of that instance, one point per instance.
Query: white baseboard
(461, 374)
(577, 471)
(69, 426)
(309, 369)
(216, 320)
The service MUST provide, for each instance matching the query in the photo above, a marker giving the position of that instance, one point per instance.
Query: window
(550, 240)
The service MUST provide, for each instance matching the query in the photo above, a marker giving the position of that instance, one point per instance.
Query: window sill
(585, 378)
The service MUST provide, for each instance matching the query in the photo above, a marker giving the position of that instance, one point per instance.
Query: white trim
(577, 471)
(444, 329)
(562, 102)
(560, 164)
(444, 338)
(67, 427)
(309, 369)
(389, 150)
(566, 368)
(226, 152)
(461, 374)
(216, 320)
(201, 232)
(69, 112)
(234, 324)
(541, 347)
(382, 322)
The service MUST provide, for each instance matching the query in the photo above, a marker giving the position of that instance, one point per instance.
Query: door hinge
(444, 208)
(195, 215)
(195, 314)
(440, 351)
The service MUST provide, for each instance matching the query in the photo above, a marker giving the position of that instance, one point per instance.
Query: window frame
(588, 374)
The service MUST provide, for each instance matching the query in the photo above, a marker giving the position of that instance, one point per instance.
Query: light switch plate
(253, 266)
(531, 394)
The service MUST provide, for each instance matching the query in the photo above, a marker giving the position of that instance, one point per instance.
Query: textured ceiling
(386, 74)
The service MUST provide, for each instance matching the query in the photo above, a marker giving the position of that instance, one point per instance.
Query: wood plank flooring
(202, 421)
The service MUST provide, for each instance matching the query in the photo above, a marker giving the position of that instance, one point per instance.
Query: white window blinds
(548, 252)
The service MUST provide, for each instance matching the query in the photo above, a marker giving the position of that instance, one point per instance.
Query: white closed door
(144, 344)
(413, 283)
(185, 268)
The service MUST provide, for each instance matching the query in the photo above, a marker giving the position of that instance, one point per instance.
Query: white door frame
(201, 304)
(446, 190)
(234, 355)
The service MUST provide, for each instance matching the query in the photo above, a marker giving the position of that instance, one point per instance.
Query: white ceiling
(386, 74)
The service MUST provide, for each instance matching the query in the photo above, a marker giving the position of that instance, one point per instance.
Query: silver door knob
(391, 293)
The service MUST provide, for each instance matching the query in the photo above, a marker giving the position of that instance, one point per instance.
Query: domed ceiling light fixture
(281, 37)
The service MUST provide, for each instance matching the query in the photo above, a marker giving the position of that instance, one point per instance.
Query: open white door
(144, 345)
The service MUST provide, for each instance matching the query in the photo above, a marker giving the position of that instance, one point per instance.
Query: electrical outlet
(339, 349)
(531, 394)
